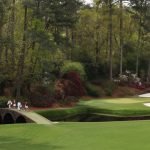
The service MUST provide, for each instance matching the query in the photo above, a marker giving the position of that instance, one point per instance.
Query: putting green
(120, 100)
(124, 101)
(132, 135)
(119, 106)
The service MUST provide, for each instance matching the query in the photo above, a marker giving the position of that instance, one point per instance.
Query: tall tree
(3, 11)
(12, 34)
(140, 8)
(121, 36)
(21, 61)
(110, 28)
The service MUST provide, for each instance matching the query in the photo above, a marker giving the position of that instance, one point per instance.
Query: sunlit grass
(132, 135)
(119, 106)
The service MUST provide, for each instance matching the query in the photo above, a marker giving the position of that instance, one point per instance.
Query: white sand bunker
(145, 95)
(147, 104)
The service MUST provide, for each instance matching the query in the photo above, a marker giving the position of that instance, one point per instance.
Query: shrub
(92, 90)
(109, 87)
(42, 96)
(39, 100)
(3, 102)
(69, 87)
(74, 67)
(69, 100)
(76, 80)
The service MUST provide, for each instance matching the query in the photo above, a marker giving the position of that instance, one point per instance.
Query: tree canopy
(38, 36)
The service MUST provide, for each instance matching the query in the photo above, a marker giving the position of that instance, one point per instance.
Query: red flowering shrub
(70, 85)
(75, 78)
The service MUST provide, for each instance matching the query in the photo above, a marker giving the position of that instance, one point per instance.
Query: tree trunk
(67, 37)
(73, 37)
(6, 55)
(1, 45)
(97, 50)
(12, 36)
(121, 37)
(110, 40)
(148, 72)
(138, 47)
(20, 71)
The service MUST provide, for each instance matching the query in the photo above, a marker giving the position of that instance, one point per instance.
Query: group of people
(17, 105)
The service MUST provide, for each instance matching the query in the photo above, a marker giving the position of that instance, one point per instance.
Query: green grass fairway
(134, 135)
(119, 106)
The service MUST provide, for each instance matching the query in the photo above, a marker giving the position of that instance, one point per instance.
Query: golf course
(119, 106)
(133, 135)
(74, 74)
(113, 135)
(112, 109)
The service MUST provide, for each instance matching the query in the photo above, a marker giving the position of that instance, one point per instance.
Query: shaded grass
(63, 114)
(76, 136)
(99, 109)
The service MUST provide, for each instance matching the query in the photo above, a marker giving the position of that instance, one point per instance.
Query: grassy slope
(119, 106)
(108, 107)
(62, 113)
(77, 136)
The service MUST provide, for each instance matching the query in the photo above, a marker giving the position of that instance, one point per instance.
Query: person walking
(26, 106)
(19, 105)
(14, 104)
(9, 103)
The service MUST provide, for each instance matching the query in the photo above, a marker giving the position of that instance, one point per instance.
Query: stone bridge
(10, 116)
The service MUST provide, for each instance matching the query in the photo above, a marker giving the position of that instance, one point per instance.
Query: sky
(125, 2)
(88, 1)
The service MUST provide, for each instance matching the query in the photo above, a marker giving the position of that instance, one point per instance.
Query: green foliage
(74, 67)
(2, 78)
(3, 101)
(51, 88)
(42, 95)
(34, 46)
(68, 100)
(109, 87)
(92, 90)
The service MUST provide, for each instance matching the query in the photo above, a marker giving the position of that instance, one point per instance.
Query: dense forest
(40, 40)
